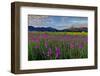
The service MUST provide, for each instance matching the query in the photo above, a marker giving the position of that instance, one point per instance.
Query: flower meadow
(57, 45)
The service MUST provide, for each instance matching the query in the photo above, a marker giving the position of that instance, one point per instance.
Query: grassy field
(57, 45)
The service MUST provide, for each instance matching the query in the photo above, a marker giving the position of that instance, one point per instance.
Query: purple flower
(85, 39)
(36, 40)
(57, 52)
(37, 46)
(45, 35)
(80, 46)
(68, 36)
(71, 45)
(33, 39)
(49, 52)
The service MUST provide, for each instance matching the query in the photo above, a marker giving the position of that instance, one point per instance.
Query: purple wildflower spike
(37, 40)
(80, 46)
(33, 39)
(36, 46)
(49, 52)
(71, 45)
(57, 52)
(45, 35)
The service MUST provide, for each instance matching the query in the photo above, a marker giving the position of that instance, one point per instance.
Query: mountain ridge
(50, 29)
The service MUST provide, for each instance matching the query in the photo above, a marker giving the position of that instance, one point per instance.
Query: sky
(57, 22)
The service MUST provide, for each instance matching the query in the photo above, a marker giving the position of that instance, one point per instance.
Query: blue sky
(58, 22)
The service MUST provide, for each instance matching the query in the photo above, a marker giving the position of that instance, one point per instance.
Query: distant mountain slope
(31, 28)
(50, 29)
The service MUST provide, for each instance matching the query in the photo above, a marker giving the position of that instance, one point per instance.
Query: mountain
(31, 28)
(50, 29)
(78, 29)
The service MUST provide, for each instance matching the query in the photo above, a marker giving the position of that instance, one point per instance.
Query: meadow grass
(57, 45)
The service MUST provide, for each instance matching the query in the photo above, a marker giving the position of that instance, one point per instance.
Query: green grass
(66, 52)
(62, 33)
